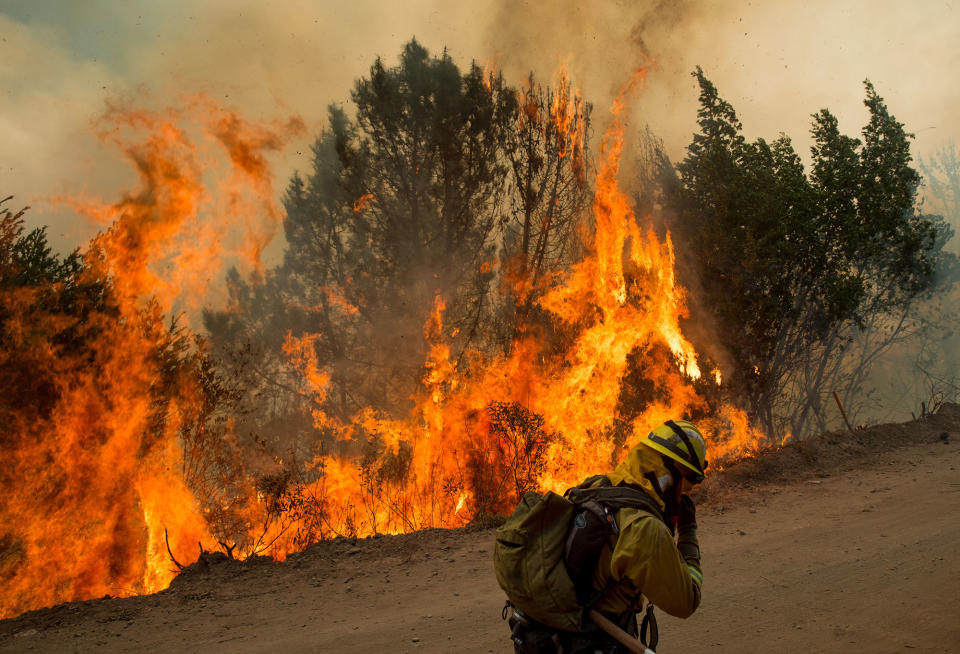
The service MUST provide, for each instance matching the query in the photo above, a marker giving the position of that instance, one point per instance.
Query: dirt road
(859, 552)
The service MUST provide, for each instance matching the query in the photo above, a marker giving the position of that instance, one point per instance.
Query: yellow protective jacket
(643, 558)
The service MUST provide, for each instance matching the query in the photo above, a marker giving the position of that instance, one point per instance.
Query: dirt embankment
(847, 542)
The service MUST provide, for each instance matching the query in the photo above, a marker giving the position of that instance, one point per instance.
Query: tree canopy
(792, 266)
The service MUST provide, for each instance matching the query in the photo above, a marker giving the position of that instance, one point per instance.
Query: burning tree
(114, 422)
(514, 466)
(445, 182)
(456, 328)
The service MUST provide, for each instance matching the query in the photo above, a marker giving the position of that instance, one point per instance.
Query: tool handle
(619, 634)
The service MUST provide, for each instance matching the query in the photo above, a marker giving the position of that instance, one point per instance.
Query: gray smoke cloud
(776, 62)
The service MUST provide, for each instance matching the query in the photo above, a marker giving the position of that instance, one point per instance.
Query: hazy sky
(777, 62)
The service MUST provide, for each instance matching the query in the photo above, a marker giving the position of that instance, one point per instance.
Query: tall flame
(97, 487)
(621, 302)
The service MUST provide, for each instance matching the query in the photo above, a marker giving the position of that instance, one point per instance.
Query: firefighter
(629, 536)
(645, 559)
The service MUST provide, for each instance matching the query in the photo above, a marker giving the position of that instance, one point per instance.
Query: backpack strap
(596, 500)
(616, 497)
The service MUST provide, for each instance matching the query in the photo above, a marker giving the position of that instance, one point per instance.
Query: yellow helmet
(681, 441)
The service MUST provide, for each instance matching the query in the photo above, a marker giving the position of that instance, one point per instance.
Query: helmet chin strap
(668, 489)
(672, 489)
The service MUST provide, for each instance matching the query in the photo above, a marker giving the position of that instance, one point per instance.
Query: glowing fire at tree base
(536, 418)
(103, 474)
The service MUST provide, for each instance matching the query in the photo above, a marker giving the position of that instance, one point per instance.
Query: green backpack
(545, 553)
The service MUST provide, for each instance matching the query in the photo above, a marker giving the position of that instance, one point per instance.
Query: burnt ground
(840, 543)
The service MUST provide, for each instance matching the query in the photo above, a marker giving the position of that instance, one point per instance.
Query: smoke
(777, 63)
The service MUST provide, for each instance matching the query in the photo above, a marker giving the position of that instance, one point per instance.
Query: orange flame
(490, 73)
(336, 299)
(567, 111)
(362, 202)
(171, 237)
(98, 478)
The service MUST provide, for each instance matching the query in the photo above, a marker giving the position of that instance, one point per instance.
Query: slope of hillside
(849, 541)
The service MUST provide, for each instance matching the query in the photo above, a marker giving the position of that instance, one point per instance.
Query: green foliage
(33, 278)
(424, 146)
(937, 359)
(792, 266)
